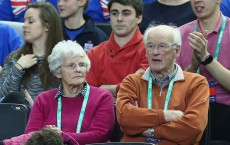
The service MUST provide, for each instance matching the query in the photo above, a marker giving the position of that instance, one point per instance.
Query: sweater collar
(179, 75)
(60, 91)
(137, 37)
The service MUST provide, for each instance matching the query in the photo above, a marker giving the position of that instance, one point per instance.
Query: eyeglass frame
(72, 65)
(160, 49)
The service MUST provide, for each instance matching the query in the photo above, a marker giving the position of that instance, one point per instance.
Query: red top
(110, 63)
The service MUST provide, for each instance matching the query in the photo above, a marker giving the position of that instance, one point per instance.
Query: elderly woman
(83, 112)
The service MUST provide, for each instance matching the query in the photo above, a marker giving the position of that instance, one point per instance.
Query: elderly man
(169, 106)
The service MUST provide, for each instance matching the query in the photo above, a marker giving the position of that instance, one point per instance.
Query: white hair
(66, 49)
(174, 30)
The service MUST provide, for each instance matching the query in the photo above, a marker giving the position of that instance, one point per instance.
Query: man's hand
(171, 115)
(199, 44)
(147, 133)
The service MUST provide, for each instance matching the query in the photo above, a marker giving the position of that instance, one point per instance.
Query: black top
(165, 14)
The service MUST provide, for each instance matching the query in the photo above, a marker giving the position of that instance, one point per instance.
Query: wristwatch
(207, 60)
(152, 132)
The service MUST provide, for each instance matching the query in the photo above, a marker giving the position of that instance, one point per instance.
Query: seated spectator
(78, 26)
(14, 10)
(46, 136)
(205, 49)
(83, 112)
(225, 7)
(169, 106)
(98, 10)
(167, 12)
(10, 41)
(27, 68)
(124, 52)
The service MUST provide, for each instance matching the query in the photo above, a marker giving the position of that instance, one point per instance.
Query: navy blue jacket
(90, 36)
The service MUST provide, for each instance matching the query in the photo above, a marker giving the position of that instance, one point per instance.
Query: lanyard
(220, 36)
(169, 92)
(80, 119)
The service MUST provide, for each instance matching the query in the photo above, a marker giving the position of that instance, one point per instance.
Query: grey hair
(175, 32)
(66, 49)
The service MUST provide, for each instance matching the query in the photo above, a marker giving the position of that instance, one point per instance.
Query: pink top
(222, 95)
(98, 121)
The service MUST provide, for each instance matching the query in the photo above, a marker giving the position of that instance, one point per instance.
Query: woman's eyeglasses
(72, 66)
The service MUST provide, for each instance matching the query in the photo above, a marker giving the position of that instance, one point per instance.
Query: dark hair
(46, 136)
(136, 4)
(49, 18)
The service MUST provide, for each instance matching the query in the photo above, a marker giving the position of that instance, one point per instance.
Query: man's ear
(219, 1)
(178, 49)
(139, 19)
(82, 3)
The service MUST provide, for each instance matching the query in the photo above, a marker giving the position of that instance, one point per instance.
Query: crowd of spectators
(163, 65)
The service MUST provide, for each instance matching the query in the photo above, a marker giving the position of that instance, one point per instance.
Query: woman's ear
(58, 74)
(46, 27)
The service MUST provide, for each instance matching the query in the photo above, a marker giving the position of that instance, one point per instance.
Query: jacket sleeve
(15, 41)
(101, 125)
(128, 110)
(68, 139)
(37, 116)
(91, 76)
(10, 78)
(190, 127)
(144, 62)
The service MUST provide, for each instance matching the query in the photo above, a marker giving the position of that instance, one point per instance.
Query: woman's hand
(53, 127)
(28, 98)
(26, 61)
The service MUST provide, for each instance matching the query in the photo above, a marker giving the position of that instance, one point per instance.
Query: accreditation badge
(212, 89)
(88, 46)
(151, 140)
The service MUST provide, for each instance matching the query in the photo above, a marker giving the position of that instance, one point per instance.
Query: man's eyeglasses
(160, 47)
(72, 66)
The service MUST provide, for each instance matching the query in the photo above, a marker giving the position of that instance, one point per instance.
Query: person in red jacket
(124, 52)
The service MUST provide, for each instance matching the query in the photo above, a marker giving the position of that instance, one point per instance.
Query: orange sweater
(190, 94)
